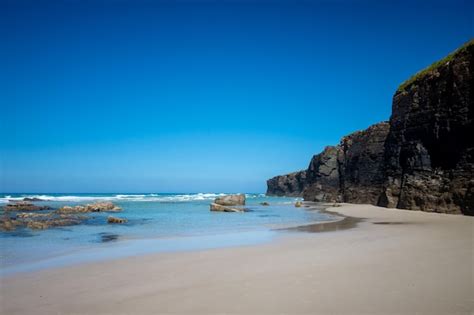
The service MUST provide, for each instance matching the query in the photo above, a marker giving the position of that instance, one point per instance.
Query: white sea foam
(126, 197)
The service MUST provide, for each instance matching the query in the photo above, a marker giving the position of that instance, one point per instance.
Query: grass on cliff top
(434, 66)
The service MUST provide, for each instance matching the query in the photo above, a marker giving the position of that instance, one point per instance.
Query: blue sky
(198, 96)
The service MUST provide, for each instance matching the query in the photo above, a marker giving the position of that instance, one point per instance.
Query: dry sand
(409, 263)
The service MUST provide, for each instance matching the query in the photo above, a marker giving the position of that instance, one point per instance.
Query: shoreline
(390, 262)
(120, 247)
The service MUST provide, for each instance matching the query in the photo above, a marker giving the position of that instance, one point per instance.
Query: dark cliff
(429, 150)
(422, 159)
(352, 171)
(287, 185)
(323, 176)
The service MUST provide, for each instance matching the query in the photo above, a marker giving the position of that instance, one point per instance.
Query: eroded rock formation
(12, 217)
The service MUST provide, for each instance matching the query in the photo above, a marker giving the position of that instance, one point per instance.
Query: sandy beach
(391, 262)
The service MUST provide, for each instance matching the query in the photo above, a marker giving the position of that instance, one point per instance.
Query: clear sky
(200, 96)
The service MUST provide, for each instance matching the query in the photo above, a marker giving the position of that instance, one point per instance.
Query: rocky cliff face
(287, 185)
(352, 171)
(323, 176)
(362, 164)
(422, 159)
(429, 150)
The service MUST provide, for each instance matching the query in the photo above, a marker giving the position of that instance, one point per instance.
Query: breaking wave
(123, 197)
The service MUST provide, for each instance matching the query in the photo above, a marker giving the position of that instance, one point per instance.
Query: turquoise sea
(156, 223)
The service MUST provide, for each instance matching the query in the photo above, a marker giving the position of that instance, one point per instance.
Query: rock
(29, 215)
(264, 203)
(75, 209)
(37, 225)
(287, 185)
(39, 221)
(298, 204)
(218, 207)
(103, 206)
(422, 159)
(225, 203)
(111, 219)
(94, 207)
(24, 206)
(231, 200)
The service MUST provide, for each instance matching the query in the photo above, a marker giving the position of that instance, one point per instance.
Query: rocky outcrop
(24, 206)
(38, 221)
(323, 176)
(291, 184)
(93, 207)
(422, 159)
(12, 218)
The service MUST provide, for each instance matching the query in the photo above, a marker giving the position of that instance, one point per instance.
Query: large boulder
(231, 200)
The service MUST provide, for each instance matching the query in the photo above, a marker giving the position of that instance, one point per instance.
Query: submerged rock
(9, 224)
(33, 199)
(30, 215)
(24, 206)
(37, 225)
(111, 219)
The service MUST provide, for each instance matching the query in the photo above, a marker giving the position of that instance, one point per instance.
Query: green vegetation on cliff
(403, 87)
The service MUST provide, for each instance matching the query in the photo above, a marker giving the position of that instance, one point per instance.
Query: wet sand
(379, 261)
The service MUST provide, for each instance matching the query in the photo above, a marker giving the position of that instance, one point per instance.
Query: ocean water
(156, 223)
